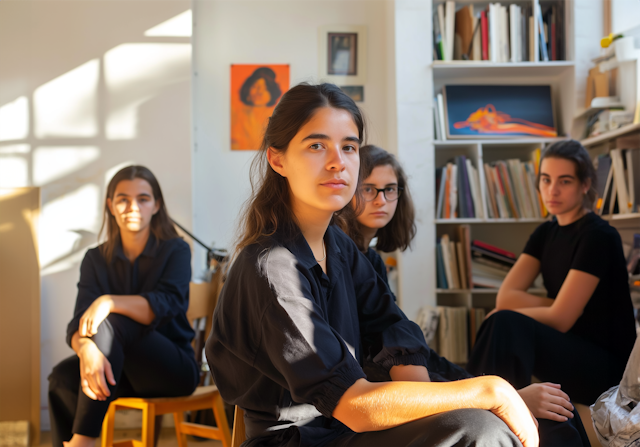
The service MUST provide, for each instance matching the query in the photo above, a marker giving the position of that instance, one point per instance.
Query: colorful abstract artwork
(492, 111)
(255, 91)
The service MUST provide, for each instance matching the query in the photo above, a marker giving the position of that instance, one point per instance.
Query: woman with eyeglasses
(302, 306)
(388, 214)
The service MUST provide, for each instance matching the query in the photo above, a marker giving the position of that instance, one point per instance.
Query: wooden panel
(20, 308)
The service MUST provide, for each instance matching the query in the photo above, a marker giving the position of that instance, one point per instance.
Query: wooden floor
(167, 438)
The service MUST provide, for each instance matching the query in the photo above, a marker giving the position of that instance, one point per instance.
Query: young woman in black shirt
(388, 215)
(301, 306)
(129, 331)
(581, 335)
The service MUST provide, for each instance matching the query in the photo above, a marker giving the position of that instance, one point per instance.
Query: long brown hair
(161, 225)
(401, 229)
(268, 209)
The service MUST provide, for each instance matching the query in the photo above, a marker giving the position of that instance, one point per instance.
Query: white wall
(625, 14)
(83, 91)
(270, 32)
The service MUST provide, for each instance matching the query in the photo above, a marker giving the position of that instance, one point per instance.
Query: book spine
(481, 251)
(491, 263)
(493, 248)
(543, 40)
(484, 27)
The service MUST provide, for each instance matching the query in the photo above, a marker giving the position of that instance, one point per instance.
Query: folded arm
(367, 406)
(560, 313)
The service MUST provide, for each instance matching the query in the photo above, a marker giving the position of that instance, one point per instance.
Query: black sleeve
(594, 253)
(401, 341)
(536, 241)
(88, 291)
(378, 264)
(170, 297)
(283, 334)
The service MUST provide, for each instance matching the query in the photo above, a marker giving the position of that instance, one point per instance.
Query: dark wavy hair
(401, 229)
(268, 209)
(573, 151)
(161, 224)
(269, 77)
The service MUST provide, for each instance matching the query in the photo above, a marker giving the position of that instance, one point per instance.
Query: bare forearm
(135, 307)
(370, 406)
(516, 299)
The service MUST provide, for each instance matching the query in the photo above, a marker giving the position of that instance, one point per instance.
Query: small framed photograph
(342, 54)
(499, 111)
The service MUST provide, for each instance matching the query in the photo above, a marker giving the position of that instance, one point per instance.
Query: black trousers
(145, 364)
(515, 347)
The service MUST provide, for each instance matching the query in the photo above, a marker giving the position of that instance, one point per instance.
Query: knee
(507, 320)
(65, 374)
(483, 428)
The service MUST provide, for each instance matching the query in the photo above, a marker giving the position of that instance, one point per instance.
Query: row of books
(511, 190)
(467, 264)
(456, 332)
(618, 187)
(499, 33)
(458, 190)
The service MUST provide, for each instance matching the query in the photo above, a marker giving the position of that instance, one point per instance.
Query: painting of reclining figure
(492, 111)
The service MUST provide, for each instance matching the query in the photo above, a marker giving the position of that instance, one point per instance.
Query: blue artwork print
(499, 111)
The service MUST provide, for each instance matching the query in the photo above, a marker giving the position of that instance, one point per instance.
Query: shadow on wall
(129, 102)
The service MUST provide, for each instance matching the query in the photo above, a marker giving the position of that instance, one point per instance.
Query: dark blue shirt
(161, 274)
(288, 340)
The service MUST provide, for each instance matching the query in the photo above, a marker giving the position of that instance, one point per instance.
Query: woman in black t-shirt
(581, 335)
(301, 304)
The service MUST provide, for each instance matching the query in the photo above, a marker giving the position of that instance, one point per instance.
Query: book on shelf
(476, 317)
(458, 190)
(457, 329)
(499, 32)
(618, 187)
(511, 190)
(452, 341)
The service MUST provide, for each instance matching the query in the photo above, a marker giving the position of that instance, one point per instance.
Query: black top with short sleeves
(288, 340)
(161, 275)
(590, 245)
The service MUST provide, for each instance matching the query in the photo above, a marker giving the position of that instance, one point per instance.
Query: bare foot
(80, 441)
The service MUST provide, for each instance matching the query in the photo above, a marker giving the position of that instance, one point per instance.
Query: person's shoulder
(94, 255)
(264, 258)
(595, 226)
(175, 244)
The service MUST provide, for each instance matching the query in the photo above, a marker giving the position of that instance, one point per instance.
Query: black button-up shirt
(288, 340)
(161, 274)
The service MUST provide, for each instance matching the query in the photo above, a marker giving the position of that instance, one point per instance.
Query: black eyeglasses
(390, 193)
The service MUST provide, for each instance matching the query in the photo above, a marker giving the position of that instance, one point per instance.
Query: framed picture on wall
(499, 111)
(255, 91)
(342, 54)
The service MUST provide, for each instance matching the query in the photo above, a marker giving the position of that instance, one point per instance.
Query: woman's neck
(571, 216)
(133, 243)
(313, 224)
(367, 235)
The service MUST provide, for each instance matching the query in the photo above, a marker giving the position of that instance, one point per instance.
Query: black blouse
(592, 246)
(288, 340)
(161, 274)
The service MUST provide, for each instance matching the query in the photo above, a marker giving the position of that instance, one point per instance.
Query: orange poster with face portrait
(255, 91)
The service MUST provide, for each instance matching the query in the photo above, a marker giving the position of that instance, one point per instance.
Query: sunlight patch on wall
(67, 105)
(14, 120)
(134, 74)
(14, 172)
(178, 26)
(64, 219)
(53, 163)
(15, 149)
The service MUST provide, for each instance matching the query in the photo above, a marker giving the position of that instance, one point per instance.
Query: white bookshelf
(418, 79)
